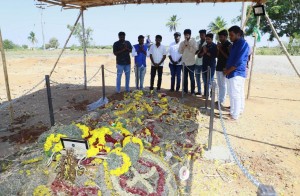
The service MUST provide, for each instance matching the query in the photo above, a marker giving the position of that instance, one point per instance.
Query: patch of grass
(56, 52)
(293, 50)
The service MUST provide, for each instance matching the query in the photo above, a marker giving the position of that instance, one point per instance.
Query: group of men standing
(227, 59)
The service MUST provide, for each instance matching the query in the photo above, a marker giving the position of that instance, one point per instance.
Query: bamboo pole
(84, 49)
(63, 49)
(253, 57)
(282, 45)
(6, 79)
(243, 15)
(42, 24)
(246, 20)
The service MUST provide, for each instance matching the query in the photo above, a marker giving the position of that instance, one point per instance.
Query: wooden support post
(253, 57)
(50, 105)
(282, 45)
(212, 114)
(6, 79)
(103, 82)
(207, 86)
(84, 49)
(182, 82)
(246, 20)
(63, 49)
(42, 24)
(243, 15)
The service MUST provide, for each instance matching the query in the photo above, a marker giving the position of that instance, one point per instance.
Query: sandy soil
(266, 138)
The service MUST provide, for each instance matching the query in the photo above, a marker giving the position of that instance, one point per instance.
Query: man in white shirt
(188, 48)
(158, 55)
(175, 62)
(199, 60)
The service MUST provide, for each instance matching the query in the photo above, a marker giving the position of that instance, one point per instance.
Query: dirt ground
(266, 138)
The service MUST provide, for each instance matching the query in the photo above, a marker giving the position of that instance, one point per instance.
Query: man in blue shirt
(121, 50)
(235, 71)
(140, 53)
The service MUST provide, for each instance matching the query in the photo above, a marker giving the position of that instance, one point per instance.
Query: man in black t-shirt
(209, 54)
(223, 53)
(122, 49)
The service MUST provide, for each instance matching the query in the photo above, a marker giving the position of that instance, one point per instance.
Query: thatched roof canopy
(95, 3)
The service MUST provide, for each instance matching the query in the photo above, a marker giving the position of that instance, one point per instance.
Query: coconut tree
(217, 25)
(172, 23)
(32, 38)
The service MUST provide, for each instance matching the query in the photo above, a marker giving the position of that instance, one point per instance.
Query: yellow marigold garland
(119, 126)
(34, 160)
(126, 163)
(148, 107)
(97, 161)
(135, 140)
(106, 176)
(156, 149)
(51, 139)
(90, 183)
(85, 130)
(41, 190)
(100, 135)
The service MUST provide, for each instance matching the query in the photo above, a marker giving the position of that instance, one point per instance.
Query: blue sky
(19, 17)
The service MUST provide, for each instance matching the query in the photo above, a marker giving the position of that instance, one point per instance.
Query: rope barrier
(202, 72)
(232, 152)
(118, 73)
(94, 74)
(3, 106)
(57, 83)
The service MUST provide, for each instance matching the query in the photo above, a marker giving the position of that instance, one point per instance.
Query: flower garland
(85, 130)
(139, 191)
(147, 154)
(155, 149)
(34, 160)
(106, 176)
(126, 110)
(42, 190)
(126, 163)
(58, 187)
(134, 140)
(138, 95)
(97, 141)
(148, 107)
(119, 126)
(97, 161)
(51, 139)
(90, 183)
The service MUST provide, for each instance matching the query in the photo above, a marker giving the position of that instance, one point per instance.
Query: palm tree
(217, 25)
(172, 23)
(32, 39)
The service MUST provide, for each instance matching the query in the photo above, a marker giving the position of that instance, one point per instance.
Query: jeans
(139, 77)
(159, 70)
(222, 83)
(204, 77)
(175, 74)
(237, 96)
(198, 72)
(189, 70)
(120, 70)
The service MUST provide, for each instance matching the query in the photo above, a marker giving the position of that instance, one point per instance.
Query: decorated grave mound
(137, 146)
